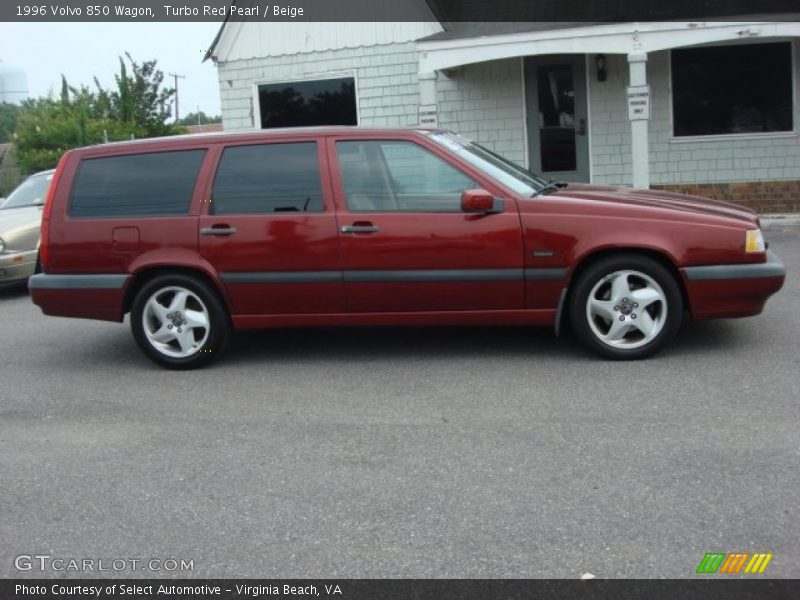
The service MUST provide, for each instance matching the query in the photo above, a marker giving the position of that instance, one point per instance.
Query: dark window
(399, 176)
(307, 103)
(159, 183)
(268, 178)
(556, 90)
(732, 89)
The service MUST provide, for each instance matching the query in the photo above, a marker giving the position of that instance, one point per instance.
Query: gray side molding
(283, 277)
(421, 275)
(394, 276)
(43, 281)
(555, 273)
(433, 275)
(772, 268)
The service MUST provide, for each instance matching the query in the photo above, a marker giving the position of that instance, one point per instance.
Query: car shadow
(114, 346)
(370, 343)
(13, 290)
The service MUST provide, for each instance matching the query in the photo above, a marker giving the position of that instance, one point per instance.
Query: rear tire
(179, 322)
(626, 307)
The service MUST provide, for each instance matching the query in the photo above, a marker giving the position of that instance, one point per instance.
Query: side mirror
(480, 201)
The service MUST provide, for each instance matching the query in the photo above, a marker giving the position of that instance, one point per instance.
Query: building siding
(485, 102)
(609, 127)
(679, 162)
(386, 82)
(243, 40)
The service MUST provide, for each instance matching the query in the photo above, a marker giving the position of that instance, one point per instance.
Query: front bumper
(17, 266)
(739, 290)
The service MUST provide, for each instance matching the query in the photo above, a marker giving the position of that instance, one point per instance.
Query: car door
(406, 245)
(269, 229)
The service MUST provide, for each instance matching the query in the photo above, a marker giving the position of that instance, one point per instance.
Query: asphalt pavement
(471, 452)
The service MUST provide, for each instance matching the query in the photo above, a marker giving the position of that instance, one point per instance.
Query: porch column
(640, 148)
(427, 99)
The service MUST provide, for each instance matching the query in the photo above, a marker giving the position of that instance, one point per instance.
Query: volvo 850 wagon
(195, 236)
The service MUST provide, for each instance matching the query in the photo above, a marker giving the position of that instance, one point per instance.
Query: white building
(569, 101)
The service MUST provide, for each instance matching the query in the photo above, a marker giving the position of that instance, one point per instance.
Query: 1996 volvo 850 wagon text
(196, 235)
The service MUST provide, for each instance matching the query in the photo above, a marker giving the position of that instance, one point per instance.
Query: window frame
(255, 100)
(322, 165)
(718, 137)
(425, 148)
(199, 182)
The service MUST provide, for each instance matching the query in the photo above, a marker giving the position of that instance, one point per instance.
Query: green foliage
(8, 121)
(200, 118)
(8, 181)
(47, 128)
(139, 107)
(139, 98)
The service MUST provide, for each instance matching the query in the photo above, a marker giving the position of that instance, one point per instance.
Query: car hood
(659, 199)
(17, 218)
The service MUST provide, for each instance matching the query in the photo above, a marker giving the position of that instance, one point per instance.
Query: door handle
(581, 127)
(218, 230)
(360, 228)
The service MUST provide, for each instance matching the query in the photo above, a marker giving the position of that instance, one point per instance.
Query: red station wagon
(197, 235)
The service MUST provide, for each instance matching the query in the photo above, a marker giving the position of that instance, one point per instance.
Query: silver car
(20, 224)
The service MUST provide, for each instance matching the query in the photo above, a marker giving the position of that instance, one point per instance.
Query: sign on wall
(428, 115)
(638, 102)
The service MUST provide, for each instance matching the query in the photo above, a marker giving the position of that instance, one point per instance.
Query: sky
(82, 50)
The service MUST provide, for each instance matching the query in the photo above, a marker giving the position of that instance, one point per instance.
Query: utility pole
(176, 76)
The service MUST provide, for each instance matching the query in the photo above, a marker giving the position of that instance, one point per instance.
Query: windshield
(30, 192)
(506, 172)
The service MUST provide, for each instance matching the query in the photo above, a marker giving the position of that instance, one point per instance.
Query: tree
(139, 98)
(199, 118)
(9, 113)
(80, 116)
(47, 127)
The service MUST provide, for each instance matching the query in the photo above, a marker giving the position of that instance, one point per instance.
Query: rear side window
(136, 185)
(268, 178)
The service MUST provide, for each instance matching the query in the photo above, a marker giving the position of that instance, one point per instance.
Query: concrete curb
(780, 221)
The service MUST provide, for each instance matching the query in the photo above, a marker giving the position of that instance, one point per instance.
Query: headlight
(2, 246)
(754, 241)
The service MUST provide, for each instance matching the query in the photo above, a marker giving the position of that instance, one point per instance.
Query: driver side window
(398, 176)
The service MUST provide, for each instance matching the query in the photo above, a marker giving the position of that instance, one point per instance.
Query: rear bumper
(740, 290)
(17, 266)
(82, 296)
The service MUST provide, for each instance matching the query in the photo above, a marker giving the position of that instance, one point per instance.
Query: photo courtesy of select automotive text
(393, 299)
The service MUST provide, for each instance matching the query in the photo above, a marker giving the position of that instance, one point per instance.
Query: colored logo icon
(720, 562)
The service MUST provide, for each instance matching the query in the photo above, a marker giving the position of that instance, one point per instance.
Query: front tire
(626, 307)
(179, 322)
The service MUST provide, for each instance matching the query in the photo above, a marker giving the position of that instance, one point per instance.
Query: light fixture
(600, 63)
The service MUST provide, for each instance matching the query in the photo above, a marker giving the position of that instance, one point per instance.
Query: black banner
(444, 11)
(396, 589)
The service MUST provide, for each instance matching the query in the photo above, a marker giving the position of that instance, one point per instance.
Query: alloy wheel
(626, 309)
(176, 322)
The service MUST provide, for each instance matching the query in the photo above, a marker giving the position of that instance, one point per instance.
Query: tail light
(44, 244)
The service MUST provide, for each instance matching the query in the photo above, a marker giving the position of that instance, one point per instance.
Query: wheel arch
(147, 273)
(594, 256)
